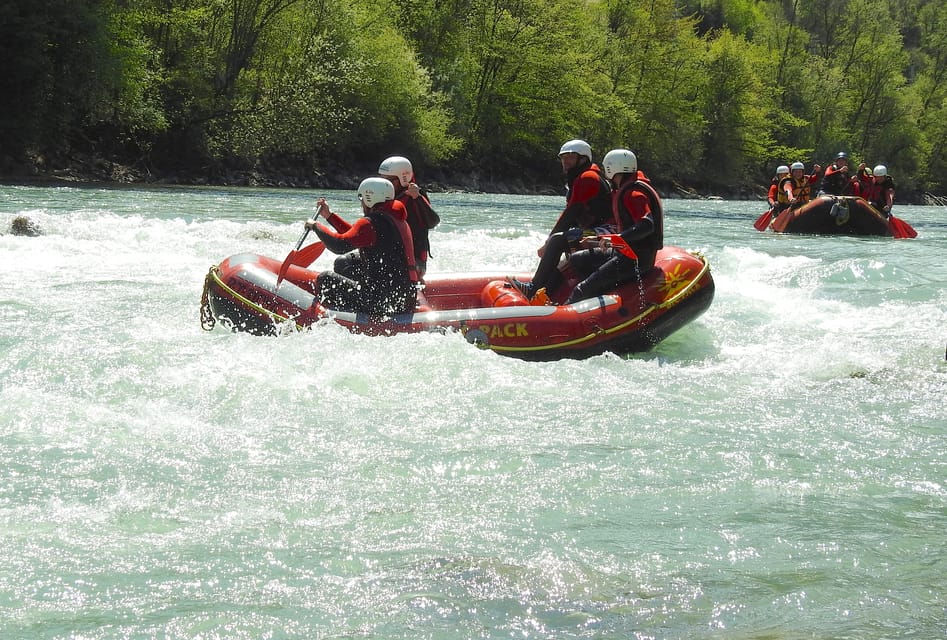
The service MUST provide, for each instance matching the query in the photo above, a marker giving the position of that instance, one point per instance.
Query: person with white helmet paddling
(772, 198)
(377, 274)
(421, 216)
(796, 189)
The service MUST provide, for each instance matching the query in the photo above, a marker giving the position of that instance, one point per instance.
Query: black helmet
(841, 155)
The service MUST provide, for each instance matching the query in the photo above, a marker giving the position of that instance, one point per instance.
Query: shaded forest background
(711, 94)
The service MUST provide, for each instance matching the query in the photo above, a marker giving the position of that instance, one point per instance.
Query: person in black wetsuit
(376, 274)
(639, 216)
(587, 212)
(836, 180)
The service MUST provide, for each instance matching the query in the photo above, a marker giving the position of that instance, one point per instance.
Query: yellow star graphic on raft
(674, 280)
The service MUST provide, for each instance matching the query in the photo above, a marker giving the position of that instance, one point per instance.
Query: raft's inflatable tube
(241, 294)
(843, 215)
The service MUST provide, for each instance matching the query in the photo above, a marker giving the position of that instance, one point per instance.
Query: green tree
(652, 58)
(53, 55)
(736, 111)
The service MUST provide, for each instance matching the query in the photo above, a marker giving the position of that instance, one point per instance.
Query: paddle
(307, 255)
(900, 228)
(296, 258)
(619, 243)
(763, 221)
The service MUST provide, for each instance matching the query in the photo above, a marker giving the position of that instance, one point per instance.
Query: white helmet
(798, 165)
(619, 161)
(397, 166)
(782, 169)
(880, 170)
(375, 190)
(580, 147)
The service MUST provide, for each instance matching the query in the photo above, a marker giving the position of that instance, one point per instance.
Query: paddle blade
(619, 243)
(901, 229)
(763, 221)
(307, 255)
(285, 266)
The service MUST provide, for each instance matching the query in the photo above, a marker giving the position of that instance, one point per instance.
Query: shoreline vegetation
(88, 171)
(712, 95)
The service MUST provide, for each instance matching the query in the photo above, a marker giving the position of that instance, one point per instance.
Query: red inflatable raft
(241, 294)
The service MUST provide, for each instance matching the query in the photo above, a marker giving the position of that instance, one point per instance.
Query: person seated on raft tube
(836, 181)
(421, 217)
(772, 198)
(588, 212)
(880, 191)
(377, 276)
(588, 192)
(796, 189)
(638, 216)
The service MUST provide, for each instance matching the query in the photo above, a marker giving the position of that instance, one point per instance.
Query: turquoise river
(777, 469)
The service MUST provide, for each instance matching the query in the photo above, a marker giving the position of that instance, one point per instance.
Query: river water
(775, 469)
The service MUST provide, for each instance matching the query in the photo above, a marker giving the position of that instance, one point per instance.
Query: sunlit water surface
(776, 469)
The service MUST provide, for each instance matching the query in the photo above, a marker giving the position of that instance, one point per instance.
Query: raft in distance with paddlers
(242, 294)
(836, 215)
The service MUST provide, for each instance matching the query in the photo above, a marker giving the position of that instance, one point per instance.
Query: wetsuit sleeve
(568, 218)
(428, 215)
(361, 234)
(338, 223)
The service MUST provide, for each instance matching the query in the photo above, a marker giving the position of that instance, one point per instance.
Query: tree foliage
(708, 92)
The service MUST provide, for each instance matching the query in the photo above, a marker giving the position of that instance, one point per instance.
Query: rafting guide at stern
(376, 273)
(588, 212)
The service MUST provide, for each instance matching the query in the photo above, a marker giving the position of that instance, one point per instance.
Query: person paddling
(796, 189)
(377, 274)
(772, 198)
(421, 217)
(836, 181)
(880, 191)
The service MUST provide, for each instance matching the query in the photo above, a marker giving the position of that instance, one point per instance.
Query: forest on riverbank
(480, 94)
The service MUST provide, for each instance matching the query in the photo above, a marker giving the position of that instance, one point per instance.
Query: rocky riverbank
(88, 169)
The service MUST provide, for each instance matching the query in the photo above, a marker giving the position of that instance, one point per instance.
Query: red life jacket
(394, 241)
(420, 218)
(588, 201)
(646, 247)
(875, 192)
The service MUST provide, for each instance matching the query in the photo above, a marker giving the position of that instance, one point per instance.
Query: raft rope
(208, 321)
